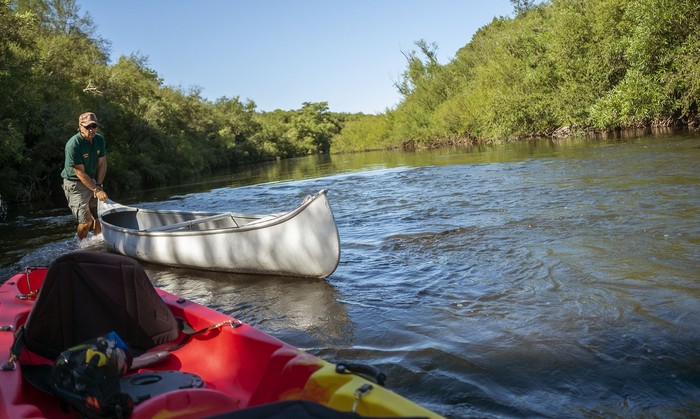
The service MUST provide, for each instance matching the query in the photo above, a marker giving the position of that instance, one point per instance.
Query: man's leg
(83, 229)
(96, 226)
(73, 198)
(79, 198)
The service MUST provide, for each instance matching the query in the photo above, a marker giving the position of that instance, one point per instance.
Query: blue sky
(281, 53)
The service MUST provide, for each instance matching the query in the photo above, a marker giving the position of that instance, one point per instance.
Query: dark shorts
(81, 201)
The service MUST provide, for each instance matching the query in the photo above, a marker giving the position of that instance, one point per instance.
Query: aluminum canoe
(302, 242)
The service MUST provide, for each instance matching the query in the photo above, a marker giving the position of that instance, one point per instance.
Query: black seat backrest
(89, 294)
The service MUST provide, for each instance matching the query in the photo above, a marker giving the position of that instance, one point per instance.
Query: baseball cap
(87, 118)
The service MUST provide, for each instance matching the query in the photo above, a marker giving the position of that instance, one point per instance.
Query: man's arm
(87, 181)
(101, 169)
(83, 176)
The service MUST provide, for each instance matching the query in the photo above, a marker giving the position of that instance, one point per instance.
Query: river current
(539, 279)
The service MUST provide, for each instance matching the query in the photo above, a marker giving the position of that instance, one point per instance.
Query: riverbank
(562, 133)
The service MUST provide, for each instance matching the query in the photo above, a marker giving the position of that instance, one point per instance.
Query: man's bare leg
(83, 229)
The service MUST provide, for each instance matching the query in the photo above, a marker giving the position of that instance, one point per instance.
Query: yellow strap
(90, 353)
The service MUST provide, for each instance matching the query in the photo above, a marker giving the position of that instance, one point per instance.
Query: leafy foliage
(53, 67)
(587, 65)
(594, 64)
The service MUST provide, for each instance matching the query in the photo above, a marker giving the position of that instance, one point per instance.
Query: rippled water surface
(537, 279)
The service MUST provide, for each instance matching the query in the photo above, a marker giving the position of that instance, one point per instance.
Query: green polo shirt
(81, 151)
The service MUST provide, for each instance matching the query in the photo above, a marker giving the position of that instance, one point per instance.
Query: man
(83, 173)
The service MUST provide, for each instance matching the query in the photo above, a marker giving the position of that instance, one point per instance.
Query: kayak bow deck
(238, 366)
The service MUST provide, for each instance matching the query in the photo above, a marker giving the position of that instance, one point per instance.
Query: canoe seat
(189, 224)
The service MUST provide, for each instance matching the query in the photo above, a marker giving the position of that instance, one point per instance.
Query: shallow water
(538, 279)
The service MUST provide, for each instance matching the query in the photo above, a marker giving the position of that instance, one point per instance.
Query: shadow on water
(305, 310)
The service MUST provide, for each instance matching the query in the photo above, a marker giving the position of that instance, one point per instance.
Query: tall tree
(522, 6)
(16, 62)
(312, 128)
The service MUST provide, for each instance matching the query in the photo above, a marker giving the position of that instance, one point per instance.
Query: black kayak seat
(89, 294)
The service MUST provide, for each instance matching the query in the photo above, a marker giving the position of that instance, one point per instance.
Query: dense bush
(53, 66)
(587, 65)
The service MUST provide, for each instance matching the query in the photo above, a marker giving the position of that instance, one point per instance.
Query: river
(537, 279)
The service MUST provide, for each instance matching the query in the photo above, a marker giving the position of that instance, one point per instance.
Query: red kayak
(90, 335)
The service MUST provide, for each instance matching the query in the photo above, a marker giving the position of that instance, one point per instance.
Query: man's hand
(101, 194)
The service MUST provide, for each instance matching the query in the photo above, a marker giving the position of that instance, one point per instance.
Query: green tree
(522, 6)
(48, 88)
(236, 125)
(425, 86)
(363, 133)
(313, 127)
(16, 62)
(272, 141)
(663, 53)
(586, 55)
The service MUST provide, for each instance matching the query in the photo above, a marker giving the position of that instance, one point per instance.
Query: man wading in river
(83, 173)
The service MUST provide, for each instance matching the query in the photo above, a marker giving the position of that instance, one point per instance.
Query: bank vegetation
(554, 67)
(558, 67)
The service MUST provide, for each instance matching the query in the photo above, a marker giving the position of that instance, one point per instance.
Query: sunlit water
(531, 280)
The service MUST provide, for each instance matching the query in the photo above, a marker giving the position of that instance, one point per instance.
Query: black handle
(365, 371)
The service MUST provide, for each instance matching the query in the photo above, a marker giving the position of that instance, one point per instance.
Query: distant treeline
(560, 65)
(557, 67)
